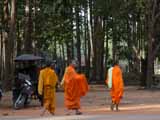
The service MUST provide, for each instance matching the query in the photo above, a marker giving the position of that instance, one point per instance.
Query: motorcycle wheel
(20, 102)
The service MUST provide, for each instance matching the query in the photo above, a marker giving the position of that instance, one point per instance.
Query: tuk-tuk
(27, 68)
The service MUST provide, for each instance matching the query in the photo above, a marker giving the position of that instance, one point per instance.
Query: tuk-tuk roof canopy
(28, 57)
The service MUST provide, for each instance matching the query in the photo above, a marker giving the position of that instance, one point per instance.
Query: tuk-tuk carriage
(27, 68)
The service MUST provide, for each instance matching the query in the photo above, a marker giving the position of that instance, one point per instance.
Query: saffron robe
(46, 87)
(117, 89)
(75, 86)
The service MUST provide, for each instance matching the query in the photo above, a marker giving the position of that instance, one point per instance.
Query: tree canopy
(92, 31)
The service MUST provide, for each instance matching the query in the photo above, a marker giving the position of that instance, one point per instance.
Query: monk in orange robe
(75, 86)
(116, 91)
(46, 87)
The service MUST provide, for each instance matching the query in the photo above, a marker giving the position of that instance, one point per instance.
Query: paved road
(91, 117)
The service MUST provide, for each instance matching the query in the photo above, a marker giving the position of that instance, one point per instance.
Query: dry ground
(96, 102)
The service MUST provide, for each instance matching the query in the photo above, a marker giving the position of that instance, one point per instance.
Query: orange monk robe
(117, 85)
(46, 86)
(75, 86)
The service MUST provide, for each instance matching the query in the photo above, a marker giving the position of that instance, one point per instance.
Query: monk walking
(46, 88)
(115, 82)
(75, 86)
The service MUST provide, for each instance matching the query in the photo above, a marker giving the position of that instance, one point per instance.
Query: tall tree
(28, 28)
(7, 48)
(12, 36)
(78, 42)
(153, 15)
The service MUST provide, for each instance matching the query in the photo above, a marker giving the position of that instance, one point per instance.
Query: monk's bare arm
(62, 82)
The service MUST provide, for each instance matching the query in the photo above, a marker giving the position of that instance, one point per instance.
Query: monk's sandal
(78, 113)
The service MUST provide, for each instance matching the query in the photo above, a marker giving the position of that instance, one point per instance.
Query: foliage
(101, 30)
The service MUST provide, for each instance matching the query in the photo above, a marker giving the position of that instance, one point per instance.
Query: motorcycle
(25, 91)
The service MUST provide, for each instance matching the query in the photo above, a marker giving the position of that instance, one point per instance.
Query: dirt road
(97, 102)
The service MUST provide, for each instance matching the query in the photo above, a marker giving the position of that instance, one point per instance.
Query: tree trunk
(19, 41)
(98, 46)
(12, 37)
(106, 46)
(153, 15)
(1, 41)
(28, 48)
(86, 37)
(69, 56)
(78, 43)
(150, 55)
(114, 39)
(90, 30)
(55, 49)
(150, 61)
(7, 50)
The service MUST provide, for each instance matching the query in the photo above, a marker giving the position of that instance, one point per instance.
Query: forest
(94, 32)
